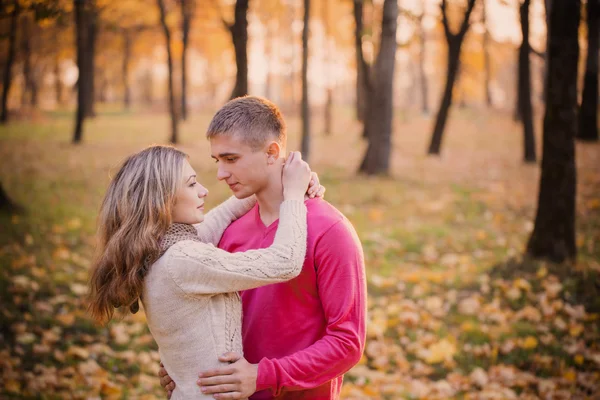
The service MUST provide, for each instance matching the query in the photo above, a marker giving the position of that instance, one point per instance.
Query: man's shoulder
(321, 209)
(322, 216)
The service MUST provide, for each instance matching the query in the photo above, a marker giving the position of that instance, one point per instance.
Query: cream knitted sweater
(190, 293)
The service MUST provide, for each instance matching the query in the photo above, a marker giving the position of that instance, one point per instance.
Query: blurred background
(460, 137)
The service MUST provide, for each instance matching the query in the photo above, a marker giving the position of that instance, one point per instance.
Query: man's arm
(342, 289)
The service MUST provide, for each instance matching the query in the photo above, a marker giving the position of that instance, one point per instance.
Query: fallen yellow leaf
(529, 343)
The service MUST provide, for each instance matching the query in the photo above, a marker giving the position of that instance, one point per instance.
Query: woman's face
(189, 199)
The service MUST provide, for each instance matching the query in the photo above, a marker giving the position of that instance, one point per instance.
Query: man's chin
(240, 195)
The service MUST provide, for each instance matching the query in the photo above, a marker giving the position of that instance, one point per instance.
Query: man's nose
(222, 174)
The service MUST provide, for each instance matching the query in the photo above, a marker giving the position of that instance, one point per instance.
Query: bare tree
(239, 36)
(10, 59)
(422, 53)
(486, 56)
(524, 86)
(454, 41)
(361, 65)
(127, 42)
(84, 17)
(380, 88)
(305, 145)
(187, 12)
(172, 107)
(588, 113)
(553, 236)
(6, 204)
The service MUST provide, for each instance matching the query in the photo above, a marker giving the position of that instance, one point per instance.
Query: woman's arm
(200, 268)
(219, 218)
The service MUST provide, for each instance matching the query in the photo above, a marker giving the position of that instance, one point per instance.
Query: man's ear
(273, 151)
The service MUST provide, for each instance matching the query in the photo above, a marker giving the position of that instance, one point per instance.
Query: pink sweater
(305, 333)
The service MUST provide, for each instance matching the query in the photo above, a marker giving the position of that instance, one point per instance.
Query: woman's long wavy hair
(135, 214)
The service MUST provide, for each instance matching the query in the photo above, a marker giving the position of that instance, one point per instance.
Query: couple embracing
(262, 297)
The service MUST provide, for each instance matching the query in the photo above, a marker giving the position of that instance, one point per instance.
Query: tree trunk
(486, 60)
(83, 94)
(90, 64)
(239, 36)
(58, 85)
(422, 75)
(125, 69)
(380, 113)
(10, 58)
(444, 109)
(6, 204)
(454, 45)
(172, 108)
(26, 49)
(362, 74)
(588, 113)
(553, 235)
(186, 19)
(525, 87)
(35, 86)
(269, 58)
(305, 145)
(547, 9)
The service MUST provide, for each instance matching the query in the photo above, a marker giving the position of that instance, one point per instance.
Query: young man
(300, 336)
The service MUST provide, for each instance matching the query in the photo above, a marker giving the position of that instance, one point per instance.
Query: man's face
(245, 170)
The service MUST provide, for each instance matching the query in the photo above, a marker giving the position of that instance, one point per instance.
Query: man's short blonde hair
(253, 119)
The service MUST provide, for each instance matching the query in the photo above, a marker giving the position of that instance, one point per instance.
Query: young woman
(150, 249)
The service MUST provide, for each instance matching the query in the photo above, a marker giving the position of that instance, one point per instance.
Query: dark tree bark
(547, 9)
(486, 59)
(553, 235)
(92, 28)
(6, 204)
(83, 94)
(362, 71)
(127, 33)
(58, 85)
(172, 107)
(526, 111)
(26, 97)
(10, 59)
(35, 86)
(454, 45)
(588, 113)
(305, 145)
(422, 75)
(186, 23)
(380, 111)
(239, 36)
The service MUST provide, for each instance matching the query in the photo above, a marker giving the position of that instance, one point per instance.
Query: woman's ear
(273, 151)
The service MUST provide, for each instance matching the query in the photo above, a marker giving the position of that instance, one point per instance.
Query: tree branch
(226, 24)
(447, 32)
(465, 24)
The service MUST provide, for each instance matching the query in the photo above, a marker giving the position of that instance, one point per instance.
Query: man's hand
(165, 381)
(236, 381)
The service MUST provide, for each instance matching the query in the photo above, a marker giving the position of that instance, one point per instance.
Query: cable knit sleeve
(201, 268)
(218, 219)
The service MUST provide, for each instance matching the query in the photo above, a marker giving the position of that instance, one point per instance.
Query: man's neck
(270, 198)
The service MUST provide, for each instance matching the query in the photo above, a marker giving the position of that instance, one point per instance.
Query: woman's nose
(202, 191)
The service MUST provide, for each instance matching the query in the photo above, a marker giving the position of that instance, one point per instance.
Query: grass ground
(455, 311)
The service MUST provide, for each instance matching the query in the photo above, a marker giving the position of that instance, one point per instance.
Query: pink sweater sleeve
(342, 289)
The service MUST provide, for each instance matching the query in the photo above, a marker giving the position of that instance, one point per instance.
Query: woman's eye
(231, 159)
(193, 184)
